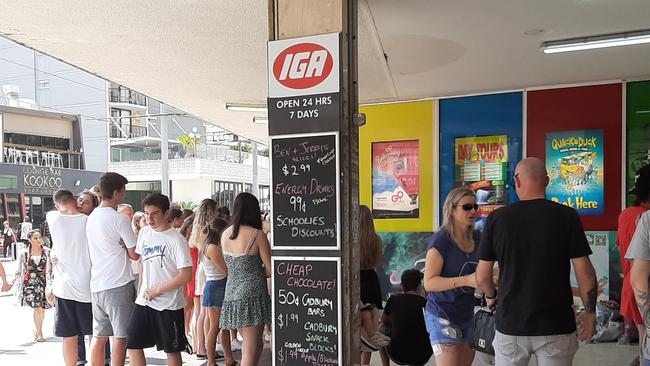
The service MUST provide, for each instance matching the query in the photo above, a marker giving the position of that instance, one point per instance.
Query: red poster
(396, 179)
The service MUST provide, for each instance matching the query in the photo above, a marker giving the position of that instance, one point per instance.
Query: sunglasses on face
(469, 207)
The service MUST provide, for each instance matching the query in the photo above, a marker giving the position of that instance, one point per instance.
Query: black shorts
(73, 318)
(164, 329)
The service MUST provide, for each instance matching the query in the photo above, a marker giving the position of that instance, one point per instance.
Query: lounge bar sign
(305, 191)
(306, 311)
(42, 181)
(304, 84)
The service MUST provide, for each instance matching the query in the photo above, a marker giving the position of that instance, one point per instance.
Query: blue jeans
(442, 331)
(645, 362)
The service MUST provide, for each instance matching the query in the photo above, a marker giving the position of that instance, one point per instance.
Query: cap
(642, 181)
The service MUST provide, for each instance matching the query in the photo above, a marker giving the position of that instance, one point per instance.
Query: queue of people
(204, 275)
(99, 242)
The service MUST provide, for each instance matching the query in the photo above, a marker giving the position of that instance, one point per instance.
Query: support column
(164, 155)
(299, 18)
(256, 186)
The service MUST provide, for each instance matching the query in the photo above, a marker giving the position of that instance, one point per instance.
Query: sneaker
(219, 356)
(235, 345)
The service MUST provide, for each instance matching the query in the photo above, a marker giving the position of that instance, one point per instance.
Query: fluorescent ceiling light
(257, 119)
(593, 42)
(245, 107)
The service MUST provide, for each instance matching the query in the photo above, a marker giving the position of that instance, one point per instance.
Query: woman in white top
(25, 228)
(205, 213)
(216, 274)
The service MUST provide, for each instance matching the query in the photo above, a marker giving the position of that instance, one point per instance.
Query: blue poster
(574, 161)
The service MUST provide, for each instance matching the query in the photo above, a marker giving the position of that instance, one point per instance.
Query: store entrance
(37, 207)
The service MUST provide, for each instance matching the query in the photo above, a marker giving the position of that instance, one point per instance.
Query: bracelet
(492, 297)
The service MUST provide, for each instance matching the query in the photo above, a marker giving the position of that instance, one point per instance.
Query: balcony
(134, 153)
(42, 157)
(192, 168)
(126, 96)
(127, 131)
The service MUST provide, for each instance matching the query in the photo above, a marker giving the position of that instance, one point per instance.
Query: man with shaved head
(534, 242)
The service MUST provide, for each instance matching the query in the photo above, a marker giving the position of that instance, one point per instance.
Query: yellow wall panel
(396, 122)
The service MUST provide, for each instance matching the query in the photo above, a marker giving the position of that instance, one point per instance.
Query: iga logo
(303, 66)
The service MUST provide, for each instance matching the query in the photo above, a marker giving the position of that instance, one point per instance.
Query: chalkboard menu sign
(305, 191)
(306, 311)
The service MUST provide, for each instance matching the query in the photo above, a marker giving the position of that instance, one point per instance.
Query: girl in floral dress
(34, 277)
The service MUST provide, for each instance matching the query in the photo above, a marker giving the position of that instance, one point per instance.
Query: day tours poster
(396, 179)
(574, 161)
(481, 163)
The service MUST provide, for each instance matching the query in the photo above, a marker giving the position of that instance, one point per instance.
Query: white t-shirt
(71, 274)
(25, 228)
(640, 249)
(110, 262)
(163, 254)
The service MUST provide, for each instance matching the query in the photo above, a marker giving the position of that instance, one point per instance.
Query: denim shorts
(442, 331)
(213, 293)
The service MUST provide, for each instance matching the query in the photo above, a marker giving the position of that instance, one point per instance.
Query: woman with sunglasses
(449, 279)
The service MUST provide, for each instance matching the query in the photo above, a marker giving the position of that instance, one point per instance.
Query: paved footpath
(17, 346)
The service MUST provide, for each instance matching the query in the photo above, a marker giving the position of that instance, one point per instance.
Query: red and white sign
(304, 66)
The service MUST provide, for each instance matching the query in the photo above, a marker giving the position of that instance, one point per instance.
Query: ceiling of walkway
(198, 55)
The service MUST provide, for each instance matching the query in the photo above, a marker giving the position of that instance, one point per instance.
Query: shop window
(33, 140)
(62, 144)
(49, 142)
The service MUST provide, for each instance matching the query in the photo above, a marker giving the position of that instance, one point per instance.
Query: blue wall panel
(484, 115)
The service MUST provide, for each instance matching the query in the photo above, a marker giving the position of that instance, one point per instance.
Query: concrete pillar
(164, 155)
(297, 18)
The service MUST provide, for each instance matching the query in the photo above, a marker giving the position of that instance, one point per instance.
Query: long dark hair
(213, 233)
(246, 211)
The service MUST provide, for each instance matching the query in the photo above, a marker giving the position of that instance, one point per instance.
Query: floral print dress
(35, 279)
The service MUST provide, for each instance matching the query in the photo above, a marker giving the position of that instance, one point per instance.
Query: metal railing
(126, 130)
(128, 96)
(44, 158)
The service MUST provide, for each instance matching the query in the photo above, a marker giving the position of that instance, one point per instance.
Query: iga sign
(304, 85)
(304, 66)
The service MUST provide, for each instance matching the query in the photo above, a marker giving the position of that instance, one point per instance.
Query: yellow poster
(483, 148)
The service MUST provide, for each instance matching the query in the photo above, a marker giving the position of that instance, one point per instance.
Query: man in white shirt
(111, 278)
(71, 274)
(158, 317)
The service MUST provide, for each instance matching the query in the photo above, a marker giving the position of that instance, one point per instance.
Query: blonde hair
(372, 251)
(206, 212)
(451, 202)
(135, 222)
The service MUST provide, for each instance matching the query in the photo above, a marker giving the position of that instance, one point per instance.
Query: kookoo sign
(304, 84)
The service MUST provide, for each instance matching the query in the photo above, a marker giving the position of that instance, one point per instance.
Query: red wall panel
(582, 108)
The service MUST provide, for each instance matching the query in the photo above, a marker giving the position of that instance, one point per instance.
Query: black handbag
(483, 331)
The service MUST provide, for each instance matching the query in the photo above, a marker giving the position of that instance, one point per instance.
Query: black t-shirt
(409, 340)
(534, 241)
